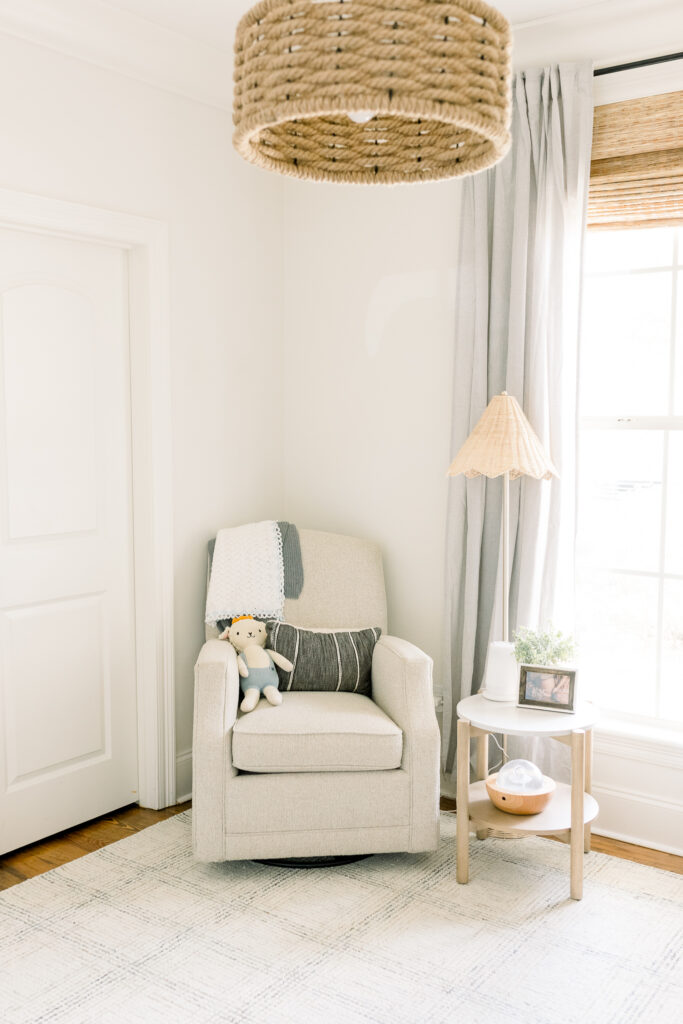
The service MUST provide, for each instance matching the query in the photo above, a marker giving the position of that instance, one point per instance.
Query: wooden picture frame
(547, 688)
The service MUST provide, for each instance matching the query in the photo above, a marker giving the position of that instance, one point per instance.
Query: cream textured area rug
(137, 933)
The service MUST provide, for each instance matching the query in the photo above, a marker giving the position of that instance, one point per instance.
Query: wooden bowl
(520, 803)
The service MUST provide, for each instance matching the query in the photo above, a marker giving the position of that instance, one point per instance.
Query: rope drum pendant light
(372, 91)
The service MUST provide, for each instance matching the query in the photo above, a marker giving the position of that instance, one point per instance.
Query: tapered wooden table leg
(482, 770)
(462, 840)
(576, 840)
(588, 787)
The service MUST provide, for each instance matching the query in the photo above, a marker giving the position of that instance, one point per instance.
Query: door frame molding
(146, 243)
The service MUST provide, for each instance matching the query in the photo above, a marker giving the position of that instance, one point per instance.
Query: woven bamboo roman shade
(372, 91)
(637, 163)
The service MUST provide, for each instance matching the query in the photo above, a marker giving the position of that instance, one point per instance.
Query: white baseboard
(598, 831)
(641, 818)
(638, 783)
(183, 774)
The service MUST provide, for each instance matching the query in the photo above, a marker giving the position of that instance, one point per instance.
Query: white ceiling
(185, 46)
(213, 22)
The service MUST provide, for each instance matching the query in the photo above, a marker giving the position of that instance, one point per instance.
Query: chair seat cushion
(316, 732)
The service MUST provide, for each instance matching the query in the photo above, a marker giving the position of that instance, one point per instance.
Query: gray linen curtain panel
(517, 325)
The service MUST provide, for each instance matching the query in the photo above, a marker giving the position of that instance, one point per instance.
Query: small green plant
(549, 647)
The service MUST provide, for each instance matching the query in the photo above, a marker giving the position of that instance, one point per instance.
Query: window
(630, 512)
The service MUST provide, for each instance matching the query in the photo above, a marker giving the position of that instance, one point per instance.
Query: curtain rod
(639, 64)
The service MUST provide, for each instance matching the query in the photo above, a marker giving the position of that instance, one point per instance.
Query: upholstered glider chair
(325, 773)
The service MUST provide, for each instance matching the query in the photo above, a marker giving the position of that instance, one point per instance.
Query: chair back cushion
(343, 584)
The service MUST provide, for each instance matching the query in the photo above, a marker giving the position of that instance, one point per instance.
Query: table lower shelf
(555, 817)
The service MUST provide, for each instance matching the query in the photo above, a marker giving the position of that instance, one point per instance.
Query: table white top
(506, 717)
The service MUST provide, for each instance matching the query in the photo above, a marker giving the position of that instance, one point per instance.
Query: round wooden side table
(571, 809)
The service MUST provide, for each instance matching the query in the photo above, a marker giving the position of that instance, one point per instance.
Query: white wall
(71, 130)
(369, 313)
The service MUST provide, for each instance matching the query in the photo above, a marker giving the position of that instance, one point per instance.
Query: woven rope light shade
(372, 91)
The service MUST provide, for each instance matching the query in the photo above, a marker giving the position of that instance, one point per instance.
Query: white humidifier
(501, 676)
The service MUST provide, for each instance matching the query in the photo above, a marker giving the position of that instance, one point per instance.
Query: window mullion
(660, 585)
(626, 272)
(665, 486)
(631, 423)
(674, 314)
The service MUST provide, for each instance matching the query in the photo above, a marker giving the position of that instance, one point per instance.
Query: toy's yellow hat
(240, 617)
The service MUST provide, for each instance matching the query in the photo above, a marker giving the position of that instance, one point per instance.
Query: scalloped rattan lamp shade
(428, 79)
(503, 441)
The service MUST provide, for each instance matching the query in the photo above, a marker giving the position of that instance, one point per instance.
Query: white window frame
(665, 424)
(638, 770)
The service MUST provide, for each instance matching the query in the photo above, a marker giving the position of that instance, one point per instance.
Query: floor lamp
(503, 443)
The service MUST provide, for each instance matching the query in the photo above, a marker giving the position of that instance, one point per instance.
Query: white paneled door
(68, 723)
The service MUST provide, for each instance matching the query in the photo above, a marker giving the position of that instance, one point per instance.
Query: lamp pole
(506, 554)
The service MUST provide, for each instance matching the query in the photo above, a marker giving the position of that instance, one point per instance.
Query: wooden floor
(33, 860)
(60, 849)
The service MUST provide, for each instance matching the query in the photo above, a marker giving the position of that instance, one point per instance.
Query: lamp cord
(503, 752)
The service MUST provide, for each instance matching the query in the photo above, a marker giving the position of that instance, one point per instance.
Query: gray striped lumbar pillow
(324, 660)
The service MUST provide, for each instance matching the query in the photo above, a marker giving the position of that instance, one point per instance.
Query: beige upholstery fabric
(309, 814)
(343, 584)
(402, 687)
(216, 694)
(285, 813)
(314, 732)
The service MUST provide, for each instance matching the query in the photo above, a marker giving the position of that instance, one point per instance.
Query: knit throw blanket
(291, 556)
(252, 569)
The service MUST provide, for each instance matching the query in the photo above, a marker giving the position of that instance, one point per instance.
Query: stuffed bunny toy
(255, 664)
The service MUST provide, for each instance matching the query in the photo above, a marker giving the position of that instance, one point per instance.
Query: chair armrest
(217, 682)
(216, 695)
(402, 684)
(402, 688)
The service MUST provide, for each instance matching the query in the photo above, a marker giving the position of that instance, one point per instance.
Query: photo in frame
(550, 689)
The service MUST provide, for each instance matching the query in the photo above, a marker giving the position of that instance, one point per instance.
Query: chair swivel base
(313, 862)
